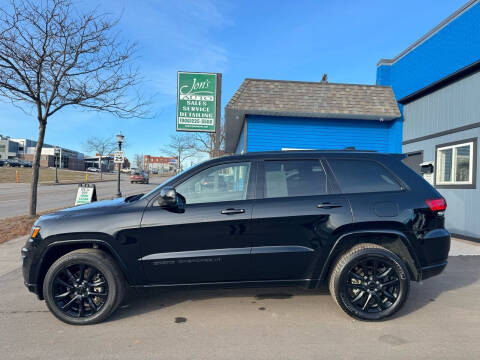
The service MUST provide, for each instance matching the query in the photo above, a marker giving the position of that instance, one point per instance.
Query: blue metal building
(275, 115)
(437, 84)
(432, 114)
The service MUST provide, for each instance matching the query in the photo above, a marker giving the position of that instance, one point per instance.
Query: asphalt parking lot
(14, 197)
(440, 320)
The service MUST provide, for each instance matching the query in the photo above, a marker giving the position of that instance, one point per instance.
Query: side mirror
(168, 197)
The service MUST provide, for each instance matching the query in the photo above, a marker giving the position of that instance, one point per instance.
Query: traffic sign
(118, 157)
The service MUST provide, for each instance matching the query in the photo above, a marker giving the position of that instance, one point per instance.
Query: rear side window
(356, 176)
(294, 178)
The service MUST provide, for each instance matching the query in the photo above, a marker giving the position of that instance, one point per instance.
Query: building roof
(306, 99)
(429, 34)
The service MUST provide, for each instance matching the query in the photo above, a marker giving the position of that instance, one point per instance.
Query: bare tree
(101, 146)
(138, 160)
(181, 146)
(205, 142)
(53, 56)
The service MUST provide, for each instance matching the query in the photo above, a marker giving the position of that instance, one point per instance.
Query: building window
(456, 164)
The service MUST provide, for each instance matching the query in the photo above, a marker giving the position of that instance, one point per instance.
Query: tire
(61, 290)
(370, 282)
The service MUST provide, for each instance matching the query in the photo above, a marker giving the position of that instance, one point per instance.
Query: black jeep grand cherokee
(362, 222)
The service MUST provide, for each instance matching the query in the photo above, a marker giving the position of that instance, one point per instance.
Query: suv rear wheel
(83, 287)
(370, 282)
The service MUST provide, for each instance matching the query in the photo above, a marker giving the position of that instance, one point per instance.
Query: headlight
(35, 231)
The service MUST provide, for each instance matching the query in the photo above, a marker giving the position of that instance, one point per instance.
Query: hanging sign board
(86, 194)
(118, 157)
(197, 99)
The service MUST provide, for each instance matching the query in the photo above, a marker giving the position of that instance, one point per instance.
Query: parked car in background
(2, 162)
(155, 171)
(93, 169)
(12, 163)
(139, 177)
(362, 223)
(24, 163)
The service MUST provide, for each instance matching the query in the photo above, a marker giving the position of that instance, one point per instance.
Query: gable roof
(306, 99)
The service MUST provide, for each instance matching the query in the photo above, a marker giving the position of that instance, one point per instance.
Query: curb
(73, 183)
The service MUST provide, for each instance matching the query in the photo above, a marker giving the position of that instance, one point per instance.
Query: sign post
(198, 101)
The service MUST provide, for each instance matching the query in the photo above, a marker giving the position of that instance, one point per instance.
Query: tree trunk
(36, 167)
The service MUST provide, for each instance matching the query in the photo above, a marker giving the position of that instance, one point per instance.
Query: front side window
(455, 164)
(360, 176)
(294, 178)
(227, 182)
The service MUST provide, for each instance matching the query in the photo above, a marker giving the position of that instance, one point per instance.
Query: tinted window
(356, 176)
(294, 178)
(227, 182)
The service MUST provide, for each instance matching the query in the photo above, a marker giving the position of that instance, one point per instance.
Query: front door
(209, 239)
(294, 223)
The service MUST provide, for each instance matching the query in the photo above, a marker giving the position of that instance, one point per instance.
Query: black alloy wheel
(80, 290)
(84, 287)
(373, 284)
(370, 282)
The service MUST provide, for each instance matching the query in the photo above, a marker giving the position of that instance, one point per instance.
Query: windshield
(169, 180)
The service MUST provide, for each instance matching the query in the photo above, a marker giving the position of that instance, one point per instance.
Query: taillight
(436, 204)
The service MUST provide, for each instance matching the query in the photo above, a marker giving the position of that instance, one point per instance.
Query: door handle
(327, 205)
(232, 211)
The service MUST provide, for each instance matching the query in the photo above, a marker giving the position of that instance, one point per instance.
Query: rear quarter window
(358, 176)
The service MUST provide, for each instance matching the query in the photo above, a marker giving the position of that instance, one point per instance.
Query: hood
(96, 207)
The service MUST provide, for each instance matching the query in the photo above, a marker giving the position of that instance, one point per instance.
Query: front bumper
(28, 266)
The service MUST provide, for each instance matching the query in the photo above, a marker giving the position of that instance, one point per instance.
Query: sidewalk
(464, 247)
(10, 257)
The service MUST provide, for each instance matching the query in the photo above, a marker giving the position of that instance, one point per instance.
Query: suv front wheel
(370, 282)
(83, 287)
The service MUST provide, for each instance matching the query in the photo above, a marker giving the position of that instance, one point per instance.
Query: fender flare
(414, 264)
(90, 241)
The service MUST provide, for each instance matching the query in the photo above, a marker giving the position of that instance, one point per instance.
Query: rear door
(294, 220)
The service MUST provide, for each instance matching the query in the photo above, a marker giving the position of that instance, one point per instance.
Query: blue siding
(274, 133)
(455, 46)
(241, 141)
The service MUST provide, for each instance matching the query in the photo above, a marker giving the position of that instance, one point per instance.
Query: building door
(413, 160)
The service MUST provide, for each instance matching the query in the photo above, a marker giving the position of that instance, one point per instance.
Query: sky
(267, 39)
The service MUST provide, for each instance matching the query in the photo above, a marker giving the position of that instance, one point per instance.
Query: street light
(57, 153)
(120, 138)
